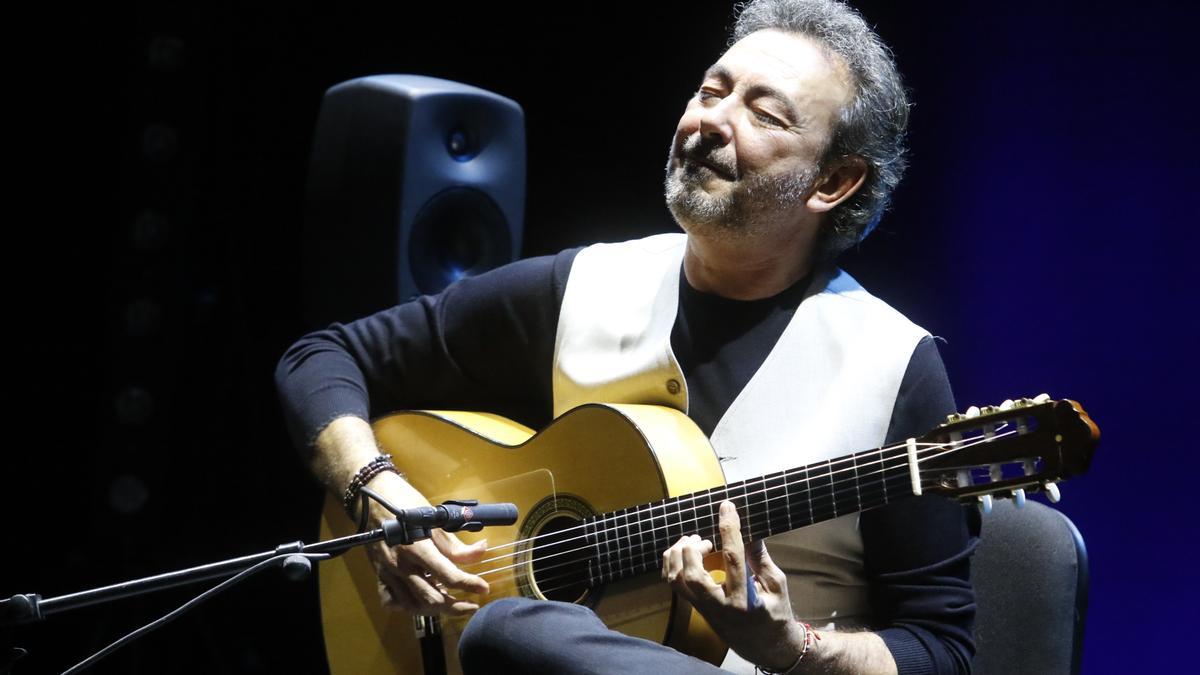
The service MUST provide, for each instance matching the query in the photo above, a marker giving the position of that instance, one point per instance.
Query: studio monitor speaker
(414, 182)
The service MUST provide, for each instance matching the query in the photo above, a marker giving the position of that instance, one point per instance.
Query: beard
(746, 210)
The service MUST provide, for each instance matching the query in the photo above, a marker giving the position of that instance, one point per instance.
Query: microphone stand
(295, 559)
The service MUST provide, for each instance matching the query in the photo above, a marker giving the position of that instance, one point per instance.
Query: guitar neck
(631, 541)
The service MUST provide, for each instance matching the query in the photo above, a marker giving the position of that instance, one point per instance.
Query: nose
(715, 122)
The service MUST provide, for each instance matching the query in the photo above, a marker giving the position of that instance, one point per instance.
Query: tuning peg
(973, 411)
(1008, 404)
(985, 504)
(964, 478)
(1019, 497)
(1028, 467)
(1052, 492)
(1041, 398)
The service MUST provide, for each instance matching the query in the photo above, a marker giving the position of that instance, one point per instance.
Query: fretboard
(631, 541)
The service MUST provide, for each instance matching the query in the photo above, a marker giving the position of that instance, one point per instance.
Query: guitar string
(831, 464)
(832, 496)
(648, 560)
(693, 497)
(626, 565)
(770, 514)
(684, 521)
(634, 560)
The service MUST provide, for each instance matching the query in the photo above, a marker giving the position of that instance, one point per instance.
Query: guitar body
(594, 459)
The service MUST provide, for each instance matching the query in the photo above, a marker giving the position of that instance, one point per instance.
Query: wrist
(369, 473)
(799, 640)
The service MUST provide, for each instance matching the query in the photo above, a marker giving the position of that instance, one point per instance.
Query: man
(784, 158)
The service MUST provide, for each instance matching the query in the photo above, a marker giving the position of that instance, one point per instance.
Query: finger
(423, 588)
(673, 561)
(395, 596)
(697, 579)
(733, 552)
(427, 557)
(754, 555)
(434, 598)
(694, 550)
(454, 549)
(765, 569)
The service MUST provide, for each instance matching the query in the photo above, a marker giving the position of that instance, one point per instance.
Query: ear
(836, 186)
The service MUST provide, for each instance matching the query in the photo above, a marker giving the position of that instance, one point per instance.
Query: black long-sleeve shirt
(487, 343)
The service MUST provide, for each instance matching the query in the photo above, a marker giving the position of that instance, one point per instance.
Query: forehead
(793, 64)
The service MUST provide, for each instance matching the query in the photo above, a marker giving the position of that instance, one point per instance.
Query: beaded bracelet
(810, 639)
(369, 470)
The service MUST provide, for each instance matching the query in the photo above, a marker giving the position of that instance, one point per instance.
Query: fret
(783, 500)
(883, 467)
(658, 525)
(642, 564)
(604, 531)
(857, 484)
(608, 527)
(811, 516)
(775, 487)
(842, 483)
(898, 475)
(706, 506)
(632, 552)
(687, 514)
(823, 498)
(674, 526)
(589, 536)
(736, 493)
(613, 545)
(701, 510)
(650, 538)
(754, 521)
(788, 477)
(622, 541)
(874, 482)
(713, 527)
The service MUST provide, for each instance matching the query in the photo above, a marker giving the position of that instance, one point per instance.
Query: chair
(1031, 583)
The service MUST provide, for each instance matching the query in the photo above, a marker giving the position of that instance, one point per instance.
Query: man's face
(747, 149)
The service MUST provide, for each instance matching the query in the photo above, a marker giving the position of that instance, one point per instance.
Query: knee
(519, 634)
(484, 644)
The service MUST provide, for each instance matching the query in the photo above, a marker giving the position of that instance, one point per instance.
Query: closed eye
(769, 119)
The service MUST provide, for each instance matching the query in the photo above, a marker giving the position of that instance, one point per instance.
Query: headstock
(1006, 450)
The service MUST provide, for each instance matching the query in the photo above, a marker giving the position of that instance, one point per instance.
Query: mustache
(699, 150)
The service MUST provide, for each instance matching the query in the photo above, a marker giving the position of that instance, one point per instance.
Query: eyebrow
(720, 72)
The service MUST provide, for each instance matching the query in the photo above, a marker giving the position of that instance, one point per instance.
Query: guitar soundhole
(559, 560)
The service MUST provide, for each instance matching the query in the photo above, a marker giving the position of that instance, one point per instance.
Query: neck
(623, 543)
(746, 268)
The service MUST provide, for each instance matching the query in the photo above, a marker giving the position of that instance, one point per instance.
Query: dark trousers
(518, 635)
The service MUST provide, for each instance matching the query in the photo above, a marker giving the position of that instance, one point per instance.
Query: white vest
(827, 389)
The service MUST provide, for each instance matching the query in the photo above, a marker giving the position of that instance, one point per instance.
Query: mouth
(716, 169)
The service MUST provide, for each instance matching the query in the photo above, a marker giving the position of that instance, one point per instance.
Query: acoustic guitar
(605, 489)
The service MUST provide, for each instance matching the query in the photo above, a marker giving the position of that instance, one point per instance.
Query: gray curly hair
(872, 126)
